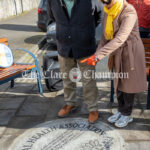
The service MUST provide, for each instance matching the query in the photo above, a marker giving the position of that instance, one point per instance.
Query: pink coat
(127, 50)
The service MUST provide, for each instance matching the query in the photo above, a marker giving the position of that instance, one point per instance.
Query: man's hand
(92, 60)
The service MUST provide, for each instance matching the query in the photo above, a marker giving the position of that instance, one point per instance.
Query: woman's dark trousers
(125, 102)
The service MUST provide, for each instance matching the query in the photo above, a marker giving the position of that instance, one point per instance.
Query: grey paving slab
(19, 124)
(82, 108)
(104, 105)
(35, 89)
(21, 88)
(10, 103)
(79, 92)
(5, 141)
(135, 135)
(54, 107)
(139, 145)
(4, 87)
(2, 129)
(39, 99)
(5, 116)
(104, 94)
(33, 109)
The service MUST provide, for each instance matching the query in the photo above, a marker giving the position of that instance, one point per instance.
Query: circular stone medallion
(70, 134)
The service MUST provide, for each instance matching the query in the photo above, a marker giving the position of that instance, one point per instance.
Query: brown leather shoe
(65, 110)
(93, 116)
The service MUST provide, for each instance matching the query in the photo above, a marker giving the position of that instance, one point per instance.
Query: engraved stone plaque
(70, 134)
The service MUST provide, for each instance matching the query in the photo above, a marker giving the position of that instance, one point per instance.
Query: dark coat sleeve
(98, 11)
(49, 10)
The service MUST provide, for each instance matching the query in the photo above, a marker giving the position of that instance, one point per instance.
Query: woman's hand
(92, 60)
(99, 57)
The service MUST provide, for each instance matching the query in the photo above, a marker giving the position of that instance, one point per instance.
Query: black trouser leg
(120, 100)
(125, 102)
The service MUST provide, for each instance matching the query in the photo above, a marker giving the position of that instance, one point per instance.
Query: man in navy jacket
(76, 21)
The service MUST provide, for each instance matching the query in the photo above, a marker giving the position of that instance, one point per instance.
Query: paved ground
(23, 107)
(22, 30)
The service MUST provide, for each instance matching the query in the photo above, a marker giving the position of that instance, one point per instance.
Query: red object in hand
(90, 61)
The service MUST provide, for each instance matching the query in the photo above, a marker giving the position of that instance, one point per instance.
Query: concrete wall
(14, 7)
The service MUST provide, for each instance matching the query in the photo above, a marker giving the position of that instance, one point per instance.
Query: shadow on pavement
(17, 27)
(33, 39)
(36, 109)
(23, 108)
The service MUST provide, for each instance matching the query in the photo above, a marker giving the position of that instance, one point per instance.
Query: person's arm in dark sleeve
(99, 12)
(49, 11)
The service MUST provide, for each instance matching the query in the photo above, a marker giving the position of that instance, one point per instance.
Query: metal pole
(15, 7)
(22, 6)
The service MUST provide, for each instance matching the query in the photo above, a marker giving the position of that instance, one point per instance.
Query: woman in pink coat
(122, 42)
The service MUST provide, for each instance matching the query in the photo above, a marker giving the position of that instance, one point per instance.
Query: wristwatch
(96, 58)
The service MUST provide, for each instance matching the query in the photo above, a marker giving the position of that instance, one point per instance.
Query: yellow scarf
(112, 13)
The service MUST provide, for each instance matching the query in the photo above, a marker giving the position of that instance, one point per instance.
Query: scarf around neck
(112, 13)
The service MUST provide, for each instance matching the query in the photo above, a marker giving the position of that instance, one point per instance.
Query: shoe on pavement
(123, 121)
(65, 110)
(114, 118)
(93, 116)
